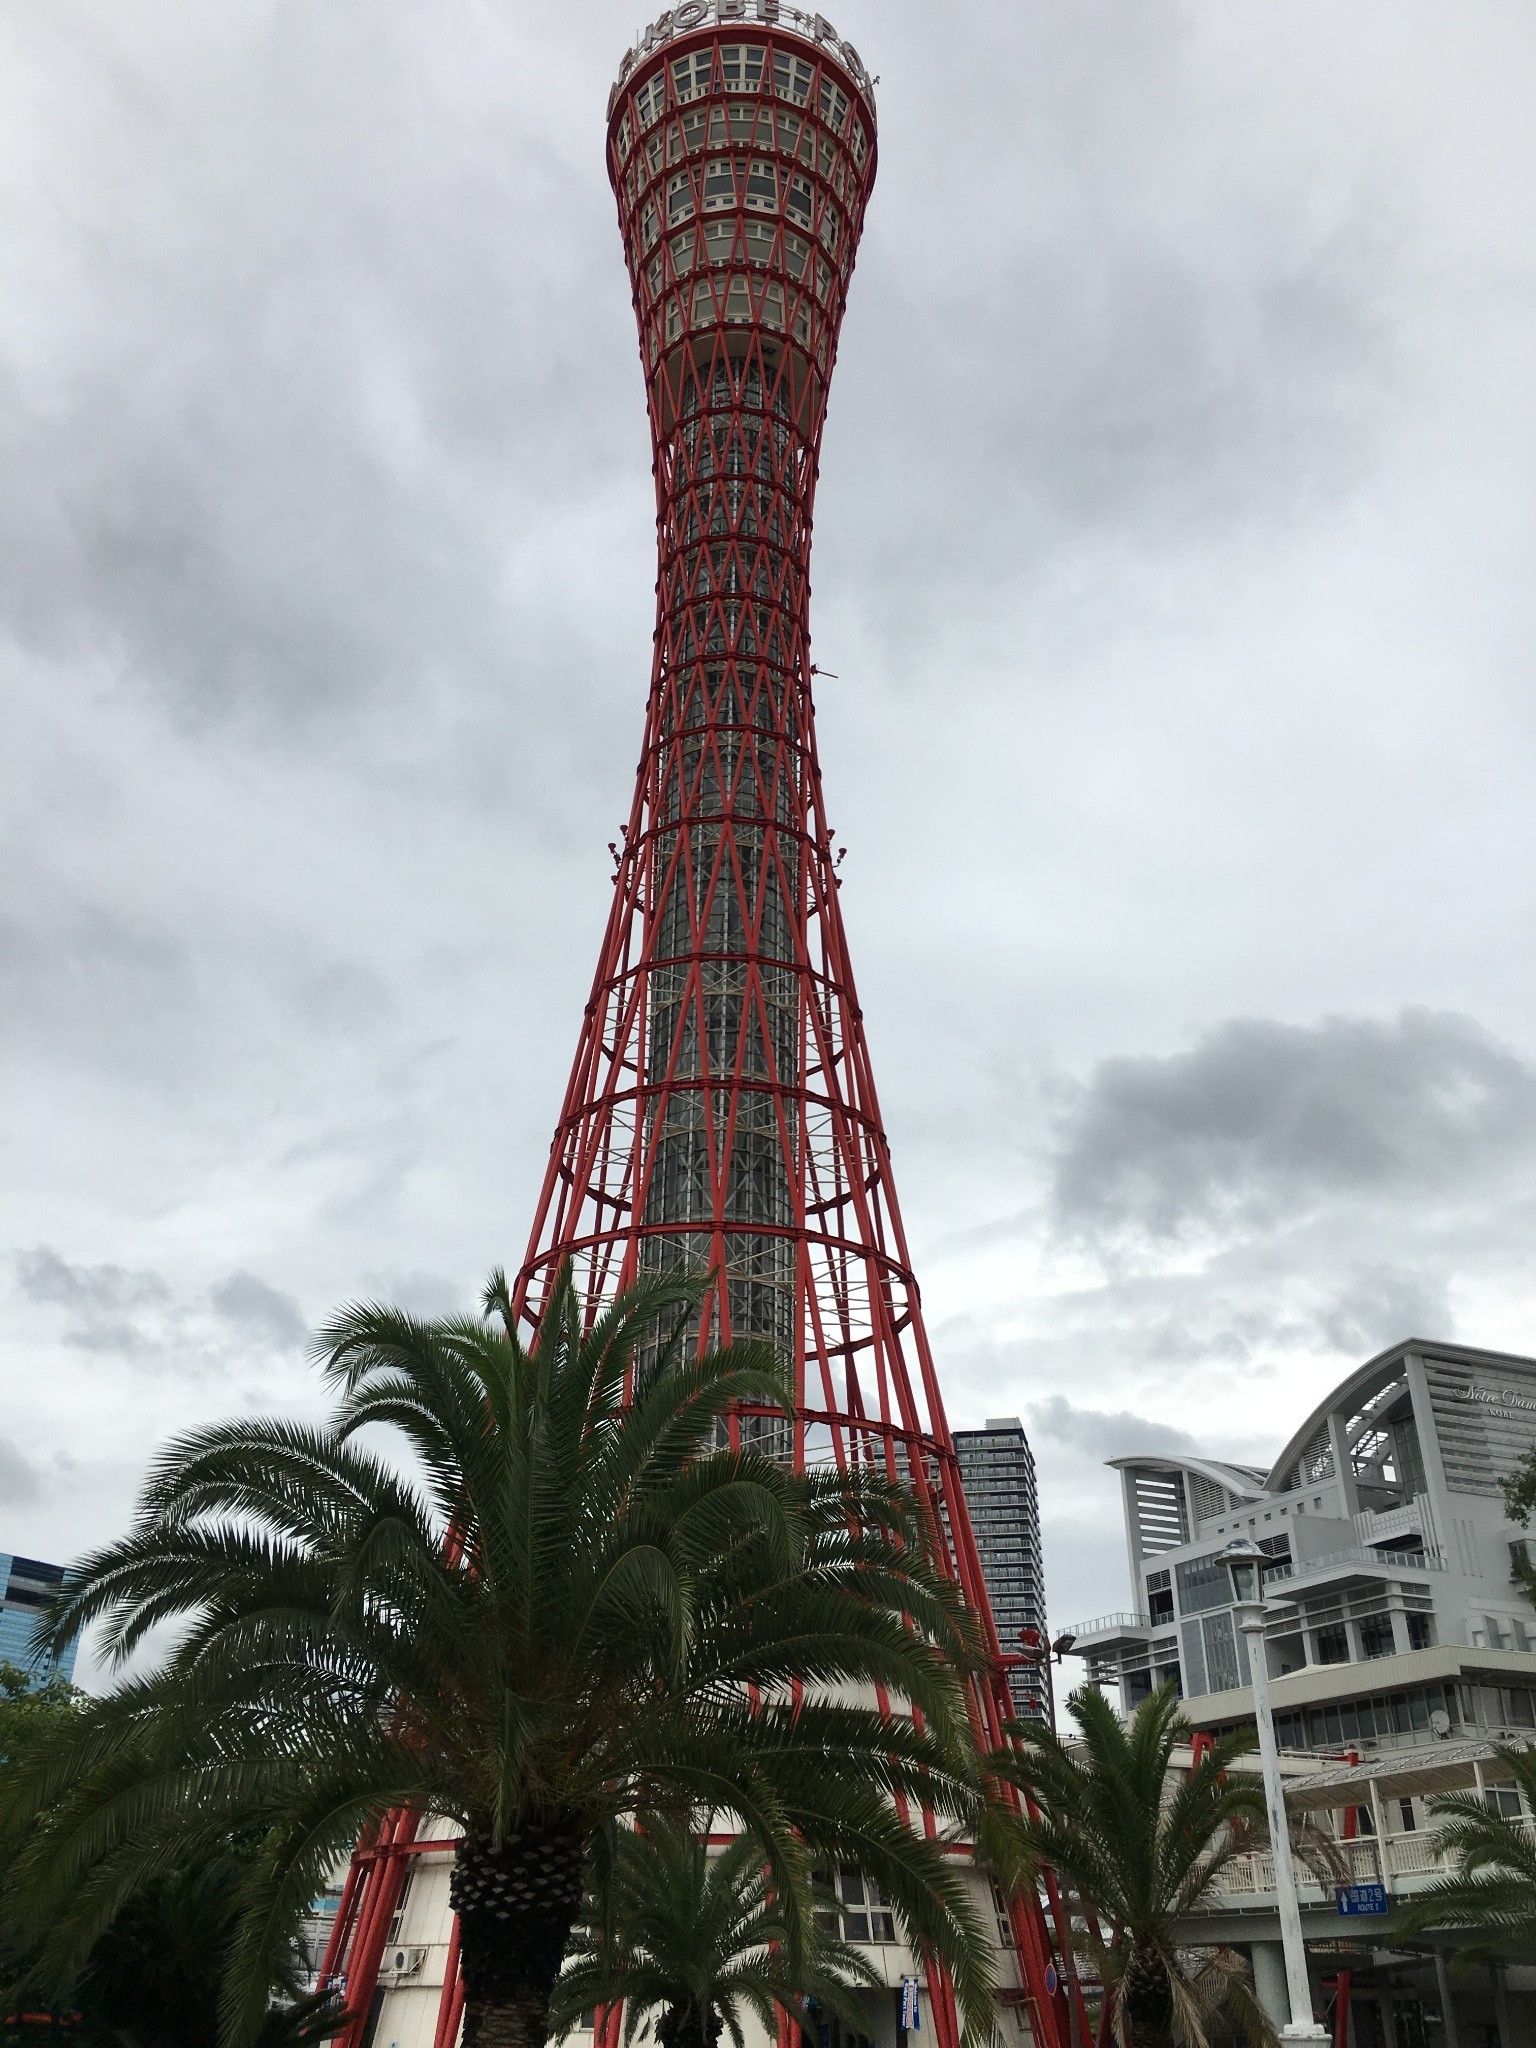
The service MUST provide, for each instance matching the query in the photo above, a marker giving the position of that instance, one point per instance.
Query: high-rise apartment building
(721, 1115)
(29, 1585)
(997, 1470)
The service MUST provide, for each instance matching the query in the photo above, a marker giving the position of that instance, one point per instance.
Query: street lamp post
(1245, 1564)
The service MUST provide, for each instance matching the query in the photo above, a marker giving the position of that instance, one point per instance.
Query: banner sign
(911, 2011)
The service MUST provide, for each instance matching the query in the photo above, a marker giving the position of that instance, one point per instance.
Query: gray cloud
(1380, 1305)
(1172, 547)
(1260, 1121)
(136, 1317)
(91, 1291)
(1099, 1434)
(260, 1310)
(21, 1482)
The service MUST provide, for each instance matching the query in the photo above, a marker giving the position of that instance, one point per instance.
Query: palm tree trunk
(504, 2023)
(685, 2026)
(517, 1900)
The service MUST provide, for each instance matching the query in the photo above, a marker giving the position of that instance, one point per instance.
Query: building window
(1420, 1633)
(1333, 1644)
(1203, 1582)
(1000, 1908)
(865, 1915)
(1376, 1638)
(1220, 1653)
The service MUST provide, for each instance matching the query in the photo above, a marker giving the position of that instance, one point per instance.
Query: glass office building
(29, 1586)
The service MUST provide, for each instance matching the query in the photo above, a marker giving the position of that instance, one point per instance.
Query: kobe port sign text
(692, 14)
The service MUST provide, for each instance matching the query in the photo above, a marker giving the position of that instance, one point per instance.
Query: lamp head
(1063, 1642)
(1245, 1564)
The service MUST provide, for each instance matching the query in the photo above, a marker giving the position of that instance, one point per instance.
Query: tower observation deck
(721, 1116)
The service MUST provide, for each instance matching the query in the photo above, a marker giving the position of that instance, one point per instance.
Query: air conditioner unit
(404, 1962)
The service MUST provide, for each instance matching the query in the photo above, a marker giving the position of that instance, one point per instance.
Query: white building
(1400, 1649)
(1395, 1615)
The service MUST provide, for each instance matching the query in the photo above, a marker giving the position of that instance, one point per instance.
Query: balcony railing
(1366, 1861)
(1107, 1624)
(1309, 1567)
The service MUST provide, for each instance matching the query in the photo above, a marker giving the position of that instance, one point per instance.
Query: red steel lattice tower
(721, 1114)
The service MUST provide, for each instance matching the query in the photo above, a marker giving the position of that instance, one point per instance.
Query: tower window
(834, 104)
(690, 75)
(791, 77)
(797, 200)
(650, 100)
(679, 199)
(741, 66)
(719, 185)
(762, 186)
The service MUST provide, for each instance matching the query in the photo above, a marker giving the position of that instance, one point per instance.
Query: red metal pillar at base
(450, 2006)
(1341, 2011)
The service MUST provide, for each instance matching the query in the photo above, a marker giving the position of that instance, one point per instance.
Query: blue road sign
(1361, 1898)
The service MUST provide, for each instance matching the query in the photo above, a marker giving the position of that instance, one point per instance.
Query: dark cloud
(1262, 1121)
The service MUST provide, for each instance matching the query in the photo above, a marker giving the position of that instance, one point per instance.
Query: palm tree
(1137, 1853)
(1492, 1893)
(699, 1934)
(563, 1608)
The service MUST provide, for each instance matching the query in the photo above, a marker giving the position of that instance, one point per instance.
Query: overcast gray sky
(1174, 557)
